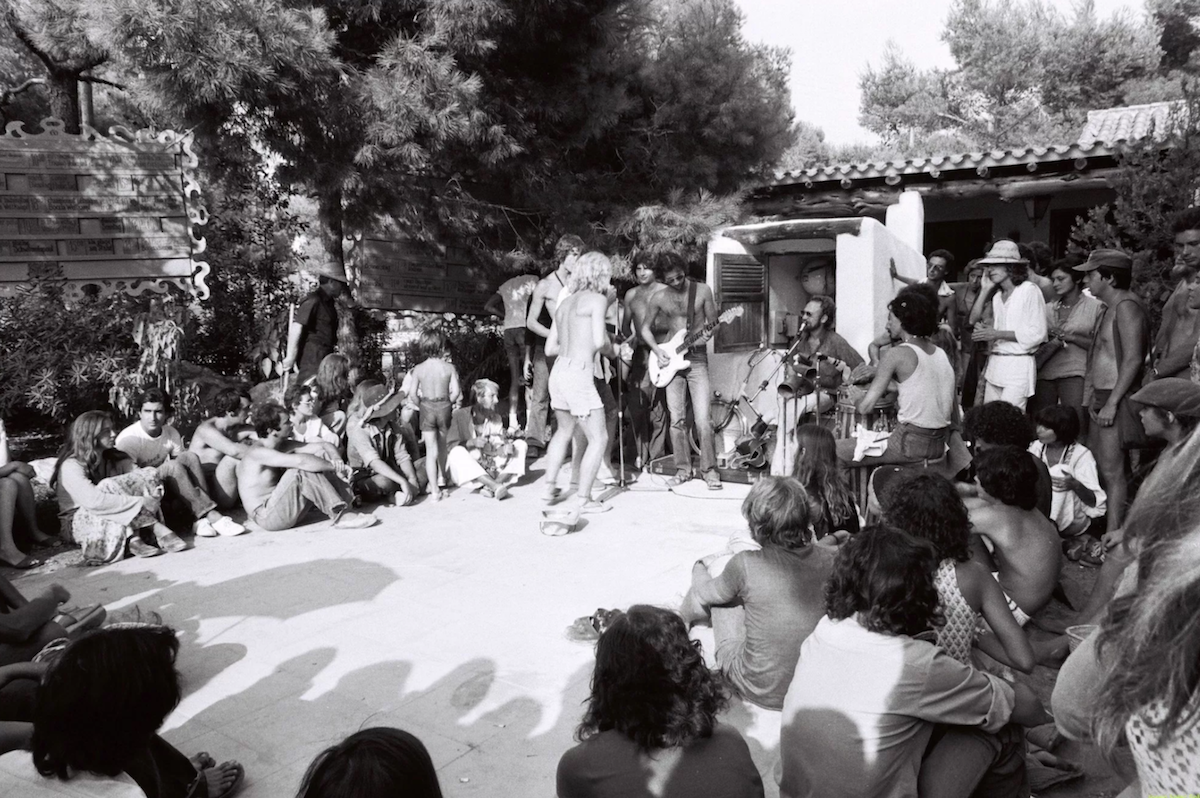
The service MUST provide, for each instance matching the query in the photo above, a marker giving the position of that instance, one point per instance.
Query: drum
(882, 418)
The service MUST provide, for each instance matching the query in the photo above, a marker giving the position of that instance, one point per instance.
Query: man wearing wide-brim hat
(313, 331)
(1115, 362)
(1019, 325)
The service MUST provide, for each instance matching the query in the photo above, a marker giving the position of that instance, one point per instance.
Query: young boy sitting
(433, 387)
(1019, 545)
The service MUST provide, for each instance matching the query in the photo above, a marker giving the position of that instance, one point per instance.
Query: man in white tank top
(925, 381)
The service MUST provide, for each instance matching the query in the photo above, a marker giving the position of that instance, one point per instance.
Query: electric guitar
(680, 343)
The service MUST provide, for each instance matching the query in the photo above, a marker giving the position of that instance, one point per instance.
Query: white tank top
(927, 396)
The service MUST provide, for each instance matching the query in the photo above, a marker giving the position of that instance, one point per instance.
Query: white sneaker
(204, 529)
(228, 527)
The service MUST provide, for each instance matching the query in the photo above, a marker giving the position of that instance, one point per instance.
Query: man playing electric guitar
(684, 304)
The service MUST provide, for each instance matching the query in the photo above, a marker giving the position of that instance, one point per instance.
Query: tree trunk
(62, 90)
(332, 233)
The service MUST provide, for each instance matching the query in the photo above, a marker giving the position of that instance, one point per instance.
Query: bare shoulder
(703, 290)
(973, 579)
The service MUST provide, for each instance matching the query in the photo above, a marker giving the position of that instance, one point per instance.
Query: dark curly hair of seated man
(998, 424)
(1009, 475)
(651, 683)
(886, 578)
(916, 311)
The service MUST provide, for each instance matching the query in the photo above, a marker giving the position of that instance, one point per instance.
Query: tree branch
(15, 25)
(7, 94)
(94, 79)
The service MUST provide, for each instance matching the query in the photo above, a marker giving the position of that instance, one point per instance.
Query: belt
(1011, 354)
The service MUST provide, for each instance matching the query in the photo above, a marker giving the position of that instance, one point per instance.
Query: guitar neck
(691, 340)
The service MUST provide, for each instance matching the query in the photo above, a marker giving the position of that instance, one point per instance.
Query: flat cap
(1112, 258)
(1175, 395)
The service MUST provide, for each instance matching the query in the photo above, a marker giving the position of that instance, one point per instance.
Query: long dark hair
(651, 683)
(1150, 641)
(104, 699)
(380, 762)
(82, 445)
(820, 473)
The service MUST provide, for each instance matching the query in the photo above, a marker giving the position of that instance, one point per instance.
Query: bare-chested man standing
(541, 315)
(1180, 328)
(218, 444)
(685, 304)
(576, 336)
(647, 407)
(277, 487)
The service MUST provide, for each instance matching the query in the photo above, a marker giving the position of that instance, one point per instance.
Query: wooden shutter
(741, 280)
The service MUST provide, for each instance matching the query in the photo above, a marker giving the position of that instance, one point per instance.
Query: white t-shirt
(147, 451)
(1024, 313)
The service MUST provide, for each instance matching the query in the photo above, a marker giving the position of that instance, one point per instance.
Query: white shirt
(18, 777)
(147, 451)
(1023, 313)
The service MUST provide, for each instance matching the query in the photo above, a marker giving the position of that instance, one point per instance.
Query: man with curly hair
(874, 712)
(1019, 545)
(1001, 424)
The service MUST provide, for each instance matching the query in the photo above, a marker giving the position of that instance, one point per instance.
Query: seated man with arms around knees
(766, 602)
(377, 447)
(1019, 545)
(278, 486)
(153, 443)
(999, 423)
(874, 712)
(218, 443)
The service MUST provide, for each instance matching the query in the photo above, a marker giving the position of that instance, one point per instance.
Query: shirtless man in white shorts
(576, 336)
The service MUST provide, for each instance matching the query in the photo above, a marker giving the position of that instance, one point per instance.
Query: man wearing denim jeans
(278, 486)
(685, 304)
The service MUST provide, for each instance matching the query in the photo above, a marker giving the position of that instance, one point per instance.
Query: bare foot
(222, 778)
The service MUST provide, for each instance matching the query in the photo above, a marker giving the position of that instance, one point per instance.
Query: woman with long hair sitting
(334, 389)
(927, 506)
(832, 507)
(651, 719)
(96, 720)
(104, 500)
(1136, 681)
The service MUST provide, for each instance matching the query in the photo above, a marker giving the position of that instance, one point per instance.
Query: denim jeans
(647, 410)
(693, 381)
(961, 762)
(296, 492)
(183, 478)
(537, 425)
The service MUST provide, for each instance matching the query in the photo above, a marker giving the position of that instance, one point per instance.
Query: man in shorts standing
(1114, 371)
(577, 335)
(511, 303)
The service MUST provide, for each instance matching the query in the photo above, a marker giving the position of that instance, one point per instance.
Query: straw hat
(1002, 253)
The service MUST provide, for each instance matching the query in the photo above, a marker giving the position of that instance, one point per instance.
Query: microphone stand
(622, 485)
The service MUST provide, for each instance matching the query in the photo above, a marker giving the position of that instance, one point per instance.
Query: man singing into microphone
(815, 338)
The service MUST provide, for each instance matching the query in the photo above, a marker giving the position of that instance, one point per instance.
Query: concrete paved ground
(446, 620)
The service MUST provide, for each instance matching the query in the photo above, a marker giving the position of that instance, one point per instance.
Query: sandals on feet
(713, 480)
(172, 542)
(1093, 553)
(679, 478)
(593, 506)
(590, 627)
(140, 548)
(553, 496)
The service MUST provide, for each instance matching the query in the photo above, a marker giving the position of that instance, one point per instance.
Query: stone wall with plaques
(397, 274)
(116, 212)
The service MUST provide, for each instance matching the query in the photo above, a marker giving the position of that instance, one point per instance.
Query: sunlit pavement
(448, 620)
